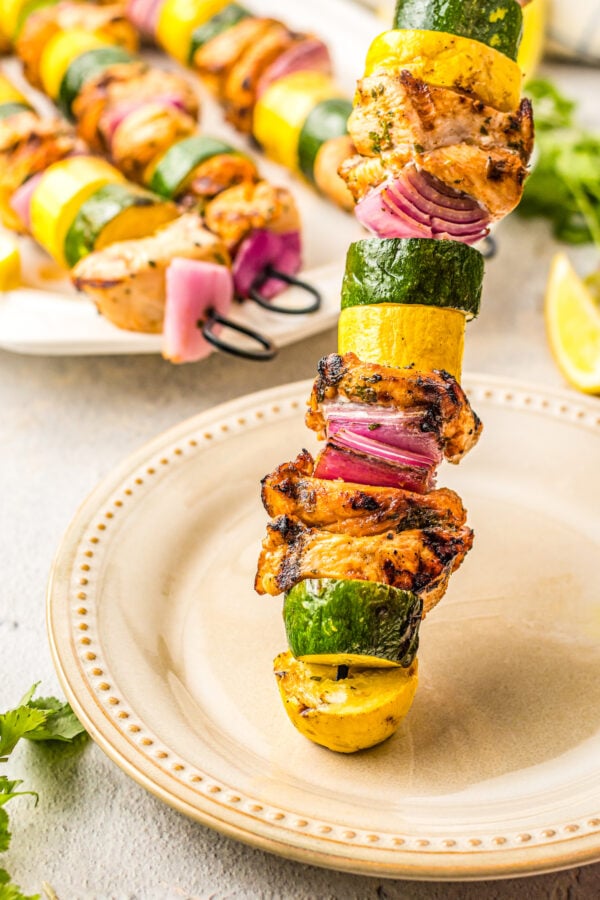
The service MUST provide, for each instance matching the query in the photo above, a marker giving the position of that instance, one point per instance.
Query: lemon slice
(573, 324)
(10, 264)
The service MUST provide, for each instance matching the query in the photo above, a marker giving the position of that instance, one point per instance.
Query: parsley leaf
(39, 719)
(10, 891)
(564, 186)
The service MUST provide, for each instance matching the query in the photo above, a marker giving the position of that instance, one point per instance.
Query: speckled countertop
(65, 424)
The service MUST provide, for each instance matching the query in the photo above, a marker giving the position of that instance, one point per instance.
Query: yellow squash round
(179, 18)
(282, 110)
(448, 60)
(59, 53)
(64, 187)
(400, 334)
(357, 712)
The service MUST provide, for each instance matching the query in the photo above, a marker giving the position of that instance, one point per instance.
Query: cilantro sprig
(565, 183)
(34, 719)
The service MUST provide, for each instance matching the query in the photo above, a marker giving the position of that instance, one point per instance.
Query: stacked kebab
(361, 543)
(272, 82)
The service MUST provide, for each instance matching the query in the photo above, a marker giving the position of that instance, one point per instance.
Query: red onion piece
(402, 429)
(20, 201)
(412, 186)
(261, 249)
(114, 117)
(193, 288)
(144, 15)
(414, 204)
(309, 54)
(355, 459)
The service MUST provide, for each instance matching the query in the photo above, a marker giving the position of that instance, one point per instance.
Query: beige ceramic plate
(165, 651)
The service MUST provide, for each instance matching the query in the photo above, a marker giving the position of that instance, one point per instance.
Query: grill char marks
(449, 413)
(417, 560)
(354, 509)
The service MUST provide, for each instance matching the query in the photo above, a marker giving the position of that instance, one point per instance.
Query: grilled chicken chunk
(450, 415)
(146, 134)
(401, 112)
(241, 209)
(333, 154)
(418, 560)
(239, 88)
(126, 87)
(29, 145)
(42, 24)
(473, 149)
(215, 59)
(495, 178)
(357, 510)
(220, 173)
(127, 279)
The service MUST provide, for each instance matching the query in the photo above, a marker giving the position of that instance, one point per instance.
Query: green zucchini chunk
(12, 108)
(84, 67)
(352, 623)
(447, 274)
(328, 119)
(497, 23)
(27, 10)
(227, 18)
(178, 162)
(99, 211)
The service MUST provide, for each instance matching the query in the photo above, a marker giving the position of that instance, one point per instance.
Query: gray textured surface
(65, 424)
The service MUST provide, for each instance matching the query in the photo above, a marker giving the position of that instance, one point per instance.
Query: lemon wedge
(573, 325)
(10, 264)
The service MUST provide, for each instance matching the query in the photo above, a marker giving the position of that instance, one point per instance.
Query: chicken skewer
(272, 82)
(360, 542)
(169, 272)
(144, 120)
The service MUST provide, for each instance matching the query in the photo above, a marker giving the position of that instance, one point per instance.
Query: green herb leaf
(10, 891)
(17, 723)
(61, 723)
(564, 186)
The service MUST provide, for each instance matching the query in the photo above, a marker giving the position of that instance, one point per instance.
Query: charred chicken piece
(471, 148)
(239, 89)
(400, 112)
(127, 87)
(145, 135)
(127, 279)
(450, 415)
(219, 173)
(28, 145)
(236, 212)
(42, 24)
(419, 560)
(356, 510)
(216, 58)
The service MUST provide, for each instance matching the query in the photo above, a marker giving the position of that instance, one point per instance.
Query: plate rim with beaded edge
(79, 601)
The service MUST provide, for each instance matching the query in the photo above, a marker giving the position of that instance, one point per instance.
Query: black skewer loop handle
(270, 272)
(268, 351)
(489, 246)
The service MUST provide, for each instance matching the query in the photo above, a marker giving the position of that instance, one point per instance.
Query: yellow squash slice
(351, 714)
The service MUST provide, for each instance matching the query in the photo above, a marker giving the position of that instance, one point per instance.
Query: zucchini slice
(115, 212)
(352, 623)
(84, 67)
(349, 714)
(328, 119)
(12, 108)
(172, 170)
(447, 274)
(224, 20)
(497, 23)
